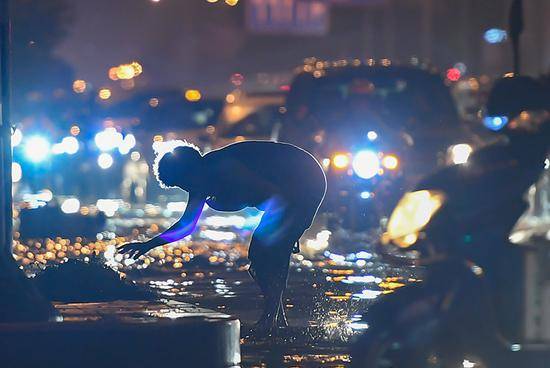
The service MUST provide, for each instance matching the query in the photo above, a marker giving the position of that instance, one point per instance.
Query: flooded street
(332, 281)
(323, 301)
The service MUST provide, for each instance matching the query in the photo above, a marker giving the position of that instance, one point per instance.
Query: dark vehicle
(376, 128)
(480, 302)
(253, 116)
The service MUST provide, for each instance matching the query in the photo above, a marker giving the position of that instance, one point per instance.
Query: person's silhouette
(284, 181)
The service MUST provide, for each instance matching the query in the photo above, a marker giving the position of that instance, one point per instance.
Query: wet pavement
(323, 301)
(331, 282)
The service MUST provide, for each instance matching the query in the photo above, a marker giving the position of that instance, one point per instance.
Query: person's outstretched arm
(179, 230)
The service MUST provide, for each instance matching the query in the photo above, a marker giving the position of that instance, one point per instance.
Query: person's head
(178, 164)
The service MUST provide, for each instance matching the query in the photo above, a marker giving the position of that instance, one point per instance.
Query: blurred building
(198, 44)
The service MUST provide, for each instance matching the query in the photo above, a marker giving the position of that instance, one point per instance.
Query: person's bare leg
(271, 278)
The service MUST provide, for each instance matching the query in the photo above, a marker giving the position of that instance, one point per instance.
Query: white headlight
(460, 153)
(366, 164)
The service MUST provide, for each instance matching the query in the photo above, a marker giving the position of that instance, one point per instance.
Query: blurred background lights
(108, 139)
(127, 144)
(108, 206)
(230, 98)
(340, 160)
(105, 161)
(495, 122)
(125, 72)
(104, 93)
(495, 35)
(37, 149)
(193, 95)
(113, 73)
(138, 69)
(70, 205)
(135, 156)
(231, 2)
(57, 149)
(365, 195)
(453, 74)
(75, 130)
(16, 172)
(390, 162)
(70, 145)
(45, 195)
(79, 86)
(462, 68)
(16, 138)
(372, 135)
(366, 164)
(460, 153)
(237, 79)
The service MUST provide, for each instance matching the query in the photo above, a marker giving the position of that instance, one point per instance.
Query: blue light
(365, 195)
(366, 164)
(37, 148)
(495, 35)
(495, 123)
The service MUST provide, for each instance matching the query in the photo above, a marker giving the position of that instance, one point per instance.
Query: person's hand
(135, 249)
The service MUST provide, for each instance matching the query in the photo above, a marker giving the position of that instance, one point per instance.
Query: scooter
(477, 304)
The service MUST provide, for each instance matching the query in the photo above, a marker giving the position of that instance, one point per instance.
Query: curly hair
(170, 154)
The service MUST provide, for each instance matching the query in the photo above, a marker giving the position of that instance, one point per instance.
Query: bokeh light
(70, 205)
(495, 122)
(108, 139)
(16, 172)
(495, 35)
(453, 74)
(366, 164)
(16, 137)
(79, 86)
(127, 144)
(193, 95)
(70, 145)
(105, 161)
(37, 149)
(390, 162)
(125, 72)
(460, 153)
(340, 160)
(75, 130)
(104, 93)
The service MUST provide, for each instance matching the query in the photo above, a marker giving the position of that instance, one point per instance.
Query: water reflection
(328, 290)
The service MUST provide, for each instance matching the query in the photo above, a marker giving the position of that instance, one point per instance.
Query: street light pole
(19, 298)
(5, 133)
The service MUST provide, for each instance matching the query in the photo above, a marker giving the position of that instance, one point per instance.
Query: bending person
(284, 181)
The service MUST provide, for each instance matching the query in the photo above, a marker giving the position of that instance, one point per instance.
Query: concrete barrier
(124, 334)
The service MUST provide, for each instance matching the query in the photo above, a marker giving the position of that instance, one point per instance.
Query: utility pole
(19, 299)
(516, 29)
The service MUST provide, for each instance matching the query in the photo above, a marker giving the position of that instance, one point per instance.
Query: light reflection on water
(328, 288)
(324, 302)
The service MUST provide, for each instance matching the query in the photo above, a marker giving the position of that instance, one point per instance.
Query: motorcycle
(474, 306)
